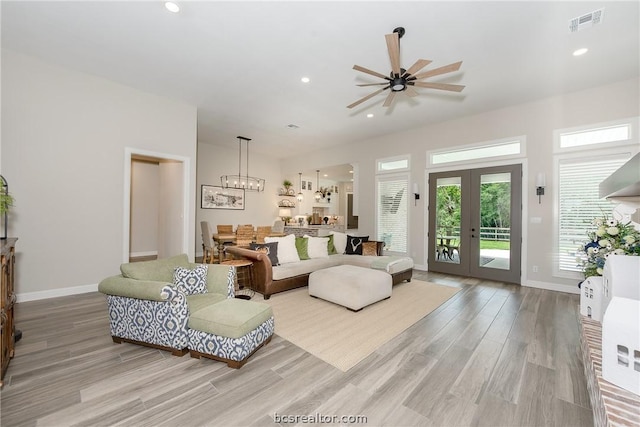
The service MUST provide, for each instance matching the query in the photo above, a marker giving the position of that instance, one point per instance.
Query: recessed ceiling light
(370, 115)
(172, 7)
(305, 80)
(579, 52)
(325, 175)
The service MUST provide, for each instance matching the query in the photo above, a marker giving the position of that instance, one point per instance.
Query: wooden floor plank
(494, 354)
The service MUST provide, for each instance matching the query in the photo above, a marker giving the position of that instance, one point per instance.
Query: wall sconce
(416, 193)
(540, 184)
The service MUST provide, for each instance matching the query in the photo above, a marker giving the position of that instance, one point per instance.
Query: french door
(475, 222)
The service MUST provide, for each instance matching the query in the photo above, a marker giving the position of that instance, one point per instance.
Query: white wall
(145, 200)
(170, 222)
(64, 135)
(536, 120)
(260, 208)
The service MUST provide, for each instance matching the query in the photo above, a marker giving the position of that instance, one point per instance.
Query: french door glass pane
(448, 214)
(495, 220)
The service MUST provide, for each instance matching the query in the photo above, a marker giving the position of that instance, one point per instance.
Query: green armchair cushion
(160, 270)
(199, 301)
(230, 318)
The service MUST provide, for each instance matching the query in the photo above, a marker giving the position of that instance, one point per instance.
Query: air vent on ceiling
(586, 20)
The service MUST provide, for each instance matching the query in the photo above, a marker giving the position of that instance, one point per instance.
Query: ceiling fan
(401, 80)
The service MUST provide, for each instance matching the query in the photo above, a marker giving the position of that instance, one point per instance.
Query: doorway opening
(156, 207)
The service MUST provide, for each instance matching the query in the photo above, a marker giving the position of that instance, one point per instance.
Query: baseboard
(54, 293)
(570, 289)
(141, 254)
(420, 267)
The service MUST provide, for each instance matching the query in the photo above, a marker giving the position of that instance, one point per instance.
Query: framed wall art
(214, 197)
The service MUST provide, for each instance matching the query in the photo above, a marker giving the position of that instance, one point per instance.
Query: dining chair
(262, 231)
(245, 235)
(454, 245)
(278, 226)
(208, 248)
(225, 229)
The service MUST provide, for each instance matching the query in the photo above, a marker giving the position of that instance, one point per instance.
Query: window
(393, 164)
(579, 202)
(392, 219)
(595, 136)
(616, 133)
(512, 147)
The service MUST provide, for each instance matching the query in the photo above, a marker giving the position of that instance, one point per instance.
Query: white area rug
(342, 337)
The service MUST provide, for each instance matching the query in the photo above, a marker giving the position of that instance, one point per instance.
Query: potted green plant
(287, 184)
(6, 202)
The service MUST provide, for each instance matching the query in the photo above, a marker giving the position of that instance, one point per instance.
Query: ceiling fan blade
(441, 86)
(368, 71)
(437, 71)
(389, 99)
(393, 46)
(373, 84)
(411, 91)
(419, 65)
(371, 95)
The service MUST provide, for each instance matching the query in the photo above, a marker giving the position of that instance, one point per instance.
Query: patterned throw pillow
(370, 248)
(354, 244)
(191, 281)
(271, 249)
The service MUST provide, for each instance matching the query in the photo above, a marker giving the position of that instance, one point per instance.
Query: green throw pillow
(331, 249)
(301, 247)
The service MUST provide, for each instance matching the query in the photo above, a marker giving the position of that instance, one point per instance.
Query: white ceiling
(241, 62)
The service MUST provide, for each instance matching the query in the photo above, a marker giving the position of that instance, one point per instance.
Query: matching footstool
(230, 331)
(350, 286)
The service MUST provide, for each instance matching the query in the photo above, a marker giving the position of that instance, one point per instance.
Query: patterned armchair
(145, 308)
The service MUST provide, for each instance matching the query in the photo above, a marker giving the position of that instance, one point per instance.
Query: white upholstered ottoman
(350, 286)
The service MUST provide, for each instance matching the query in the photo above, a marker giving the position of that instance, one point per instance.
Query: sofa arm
(132, 288)
(262, 273)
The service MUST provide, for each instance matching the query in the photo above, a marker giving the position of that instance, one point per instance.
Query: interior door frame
(520, 202)
(129, 153)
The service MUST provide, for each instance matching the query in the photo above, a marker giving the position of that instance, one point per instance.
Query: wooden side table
(243, 267)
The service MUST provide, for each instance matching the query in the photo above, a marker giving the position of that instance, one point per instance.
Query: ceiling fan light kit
(404, 80)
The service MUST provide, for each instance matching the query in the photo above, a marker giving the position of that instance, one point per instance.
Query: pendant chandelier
(246, 182)
(300, 195)
(318, 194)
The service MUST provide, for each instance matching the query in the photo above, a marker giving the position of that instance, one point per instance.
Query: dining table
(230, 238)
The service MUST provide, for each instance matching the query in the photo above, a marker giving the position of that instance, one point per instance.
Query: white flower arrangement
(610, 237)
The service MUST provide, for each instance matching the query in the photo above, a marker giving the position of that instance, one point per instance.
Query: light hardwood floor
(494, 354)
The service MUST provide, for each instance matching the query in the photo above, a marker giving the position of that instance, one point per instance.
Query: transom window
(505, 148)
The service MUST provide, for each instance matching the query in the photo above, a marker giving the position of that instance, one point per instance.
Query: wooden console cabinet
(7, 302)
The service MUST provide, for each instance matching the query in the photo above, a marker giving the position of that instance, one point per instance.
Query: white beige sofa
(268, 279)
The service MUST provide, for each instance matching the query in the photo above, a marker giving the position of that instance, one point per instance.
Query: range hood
(624, 184)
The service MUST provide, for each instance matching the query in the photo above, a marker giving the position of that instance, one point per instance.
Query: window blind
(392, 212)
(579, 203)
